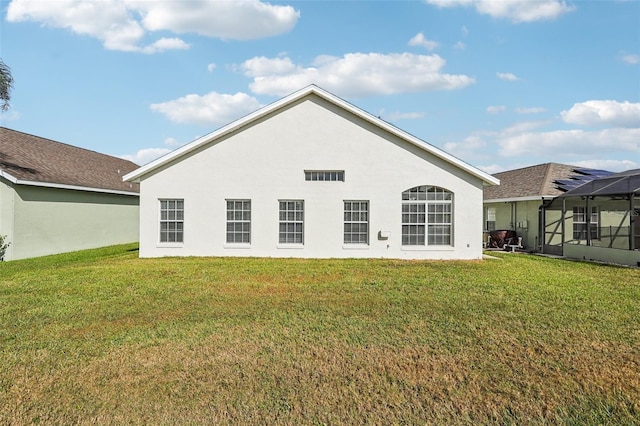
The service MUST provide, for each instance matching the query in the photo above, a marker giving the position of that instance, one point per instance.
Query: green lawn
(104, 337)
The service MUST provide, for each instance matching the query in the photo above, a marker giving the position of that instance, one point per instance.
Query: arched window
(427, 216)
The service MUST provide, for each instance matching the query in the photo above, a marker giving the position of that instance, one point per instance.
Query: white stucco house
(312, 176)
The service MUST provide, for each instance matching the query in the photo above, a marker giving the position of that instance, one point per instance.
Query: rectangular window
(324, 175)
(439, 219)
(291, 230)
(413, 224)
(171, 221)
(239, 221)
(580, 223)
(491, 219)
(356, 222)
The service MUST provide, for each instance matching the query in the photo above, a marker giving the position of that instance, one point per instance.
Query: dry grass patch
(112, 339)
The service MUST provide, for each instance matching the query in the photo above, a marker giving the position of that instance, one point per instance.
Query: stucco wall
(6, 213)
(266, 162)
(48, 221)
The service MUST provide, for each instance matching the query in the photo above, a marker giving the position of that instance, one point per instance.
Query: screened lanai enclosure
(599, 220)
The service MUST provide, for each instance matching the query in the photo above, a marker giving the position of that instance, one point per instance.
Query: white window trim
(317, 173)
(292, 245)
(236, 245)
(170, 244)
(289, 246)
(368, 222)
(356, 246)
(228, 244)
(594, 210)
(427, 246)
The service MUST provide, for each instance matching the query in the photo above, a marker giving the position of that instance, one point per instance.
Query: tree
(6, 84)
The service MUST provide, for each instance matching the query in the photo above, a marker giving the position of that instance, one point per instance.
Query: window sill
(427, 248)
(236, 246)
(170, 245)
(290, 246)
(355, 246)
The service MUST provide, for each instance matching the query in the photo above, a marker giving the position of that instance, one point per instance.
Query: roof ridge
(547, 176)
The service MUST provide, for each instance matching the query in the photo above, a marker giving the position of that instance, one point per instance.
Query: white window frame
(324, 175)
(291, 222)
(490, 223)
(580, 223)
(427, 217)
(356, 222)
(172, 220)
(238, 224)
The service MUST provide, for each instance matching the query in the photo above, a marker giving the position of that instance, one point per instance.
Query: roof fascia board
(135, 175)
(69, 187)
(8, 177)
(516, 199)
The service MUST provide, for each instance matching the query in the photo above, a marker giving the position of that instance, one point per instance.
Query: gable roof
(136, 175)
(624, 183)
(546, 180)
(31, 160)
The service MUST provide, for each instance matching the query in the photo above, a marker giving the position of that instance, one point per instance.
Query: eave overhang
(17, 181)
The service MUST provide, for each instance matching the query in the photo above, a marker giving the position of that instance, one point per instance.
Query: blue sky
(499, 84)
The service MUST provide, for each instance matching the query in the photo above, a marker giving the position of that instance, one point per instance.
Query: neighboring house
(599, 220)
(311, 176)
(56, 198)
(515, 204)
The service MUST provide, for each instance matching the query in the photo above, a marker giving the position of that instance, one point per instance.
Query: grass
(104, 337)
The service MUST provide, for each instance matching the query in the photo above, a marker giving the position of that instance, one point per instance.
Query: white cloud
(261, 66)
(109, 21)
(211, 67)
(210, 109)
(146, 155)
(172, 142)
(524, 143)
(165, 44)
(123, 24)
(459, 46)
(517, 11)
(420, 40)
(238, 20)
(354, 74)
(611, 165)
(530, 110)
(574, 142)
(607, 112)
(398, 116)
(494, 168)
(496, 109)
(507, 76)
(631, 59)
(522, 127)
(471, 147)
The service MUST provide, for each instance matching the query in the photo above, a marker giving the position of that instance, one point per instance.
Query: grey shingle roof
(541, 180)
(43, 161)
